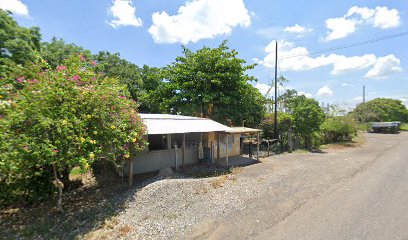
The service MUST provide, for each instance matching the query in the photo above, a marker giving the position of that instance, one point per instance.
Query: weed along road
(364, 197)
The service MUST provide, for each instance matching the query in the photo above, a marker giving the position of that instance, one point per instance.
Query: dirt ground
(185, 207)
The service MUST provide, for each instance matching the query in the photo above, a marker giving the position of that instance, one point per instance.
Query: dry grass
(357, 141)
(125, 230)
(219, 181)
(231, 176)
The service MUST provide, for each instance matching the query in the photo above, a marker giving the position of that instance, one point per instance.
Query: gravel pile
(170, 203)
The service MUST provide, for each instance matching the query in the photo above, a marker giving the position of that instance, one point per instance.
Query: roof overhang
(169, 124)
(244, 130)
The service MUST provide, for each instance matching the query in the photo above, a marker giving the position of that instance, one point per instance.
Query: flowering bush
(55, 120)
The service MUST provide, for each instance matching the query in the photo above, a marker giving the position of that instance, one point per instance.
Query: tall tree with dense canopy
(18, 45)
(381, 110)
(212, 82)
(141, 82)
(57, 51)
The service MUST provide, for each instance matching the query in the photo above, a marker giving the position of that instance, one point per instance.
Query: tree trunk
(58, 183)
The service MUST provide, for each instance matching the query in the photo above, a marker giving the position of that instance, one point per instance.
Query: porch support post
(183, 151)
(226, 150)
(130, 164)
(218, 147)
(257, 146)
(168, 141)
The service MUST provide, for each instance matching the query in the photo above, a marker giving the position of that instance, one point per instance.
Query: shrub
(381, 110)
(341, 128)
(285, 122)
(58, 119)
(308, 116)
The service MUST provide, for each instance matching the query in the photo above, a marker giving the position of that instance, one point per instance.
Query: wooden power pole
(275, 123)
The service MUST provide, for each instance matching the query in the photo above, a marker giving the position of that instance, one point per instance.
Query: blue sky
(151, 32)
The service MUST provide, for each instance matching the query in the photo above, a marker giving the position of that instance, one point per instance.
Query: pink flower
(33, 81)
(104, 97)
(82, 58)
(20, 79)
(55, 150)
(76, 77)
(93, 78)
(93, 63)
(123, 97)
(60, 68)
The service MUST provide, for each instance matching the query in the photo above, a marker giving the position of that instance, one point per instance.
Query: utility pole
(363, 93)
(275, 123)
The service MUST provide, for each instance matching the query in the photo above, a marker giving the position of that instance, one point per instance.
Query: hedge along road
(355, 193)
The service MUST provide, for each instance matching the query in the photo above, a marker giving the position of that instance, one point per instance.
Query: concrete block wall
(150, 161)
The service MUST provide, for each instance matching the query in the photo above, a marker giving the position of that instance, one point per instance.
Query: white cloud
(357, 99)
(384, 67)
(339, 28)
(343, 64)
(199, 19)
(293, 58)
(347, 85)
(263, 88)
(404, 101)
(257, 61)
(380, 17)
(124, 14)
(308, 95)
(14, 6)
(324, 92)
(385, 18)
(295, 29)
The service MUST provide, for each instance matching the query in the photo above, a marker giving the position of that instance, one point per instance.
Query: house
(175, 141)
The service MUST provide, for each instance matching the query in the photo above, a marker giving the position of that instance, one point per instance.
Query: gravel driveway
(216, 207)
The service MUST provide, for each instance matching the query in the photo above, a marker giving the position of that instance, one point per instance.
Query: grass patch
(404, 127)
(300, 150)
(76, 173)
(357, 141)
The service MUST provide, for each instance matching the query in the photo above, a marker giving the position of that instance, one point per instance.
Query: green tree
(285, 123)
(339, 128)
(308, 116)
(60, 119)
(57, 51)
(212, 82)
(18, 45)
(151, 81)
(288, 100)
(141, 82)
(381, 110)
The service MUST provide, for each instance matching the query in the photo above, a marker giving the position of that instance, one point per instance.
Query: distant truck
(385, 127)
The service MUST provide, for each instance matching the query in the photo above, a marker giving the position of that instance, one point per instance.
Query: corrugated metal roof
(167, 124)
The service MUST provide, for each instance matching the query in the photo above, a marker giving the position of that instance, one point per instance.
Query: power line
(377, 39)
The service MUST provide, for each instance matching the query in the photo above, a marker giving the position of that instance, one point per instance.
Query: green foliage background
(381, 110)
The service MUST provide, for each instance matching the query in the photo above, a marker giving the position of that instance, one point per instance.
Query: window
(157, 142)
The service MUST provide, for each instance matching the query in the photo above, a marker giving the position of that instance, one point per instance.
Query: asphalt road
(359, 193)
(372, 205)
